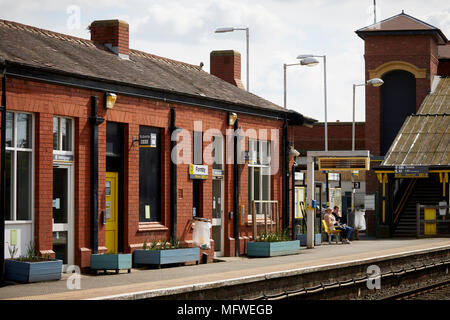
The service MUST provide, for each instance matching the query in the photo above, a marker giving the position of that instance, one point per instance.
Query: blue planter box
(111, 261)
(317, 239)
(22, 271)
(159, 257)
(271, 249)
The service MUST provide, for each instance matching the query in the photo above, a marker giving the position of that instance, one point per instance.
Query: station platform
(163, 283)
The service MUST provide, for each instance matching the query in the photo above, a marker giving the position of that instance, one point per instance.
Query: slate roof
(402, 23)
(424, 138)
(31, 46)
(444, 51)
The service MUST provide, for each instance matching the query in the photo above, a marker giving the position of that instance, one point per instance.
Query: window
(62, 135)
(259, 175)
(149, 174)
(19, 166)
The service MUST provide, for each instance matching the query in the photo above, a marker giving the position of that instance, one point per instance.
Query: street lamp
(284, 69)
(231, 29)
(375, 82)
(309, 60)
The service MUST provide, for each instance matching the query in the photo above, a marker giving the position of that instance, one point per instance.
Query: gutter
(95, 121)
(173, 177)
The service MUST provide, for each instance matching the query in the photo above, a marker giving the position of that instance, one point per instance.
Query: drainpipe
(3, 181)
(293, 203)
(173, 178)
(95, 122)
(236, 189)
(285, 180)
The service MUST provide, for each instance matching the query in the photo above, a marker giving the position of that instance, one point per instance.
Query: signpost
(198, 172)
(411, 171)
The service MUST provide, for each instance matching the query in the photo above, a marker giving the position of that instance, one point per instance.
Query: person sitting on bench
(346, 230)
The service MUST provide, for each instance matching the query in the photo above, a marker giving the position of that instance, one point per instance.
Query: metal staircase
(426, 192)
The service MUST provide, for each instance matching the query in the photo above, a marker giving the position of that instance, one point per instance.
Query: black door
(398, 101)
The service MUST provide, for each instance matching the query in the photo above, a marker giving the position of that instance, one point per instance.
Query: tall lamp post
(310, 62)
(231, 29)
(375, 82)
(304, 58)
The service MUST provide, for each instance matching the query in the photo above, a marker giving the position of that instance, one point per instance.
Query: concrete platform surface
(145, 283)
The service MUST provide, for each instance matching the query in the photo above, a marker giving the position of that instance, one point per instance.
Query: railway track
(436, 291)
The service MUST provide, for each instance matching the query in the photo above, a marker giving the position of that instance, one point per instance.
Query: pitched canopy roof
(401, 24)
(46, 50)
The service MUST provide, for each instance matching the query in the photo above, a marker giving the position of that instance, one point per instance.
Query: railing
(404, 200)
(267, 207)
(430, 221)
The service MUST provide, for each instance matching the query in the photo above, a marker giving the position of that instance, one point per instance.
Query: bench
(331, 233)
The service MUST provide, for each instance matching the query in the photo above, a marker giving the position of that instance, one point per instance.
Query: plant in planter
(302, 236)
(111, 261)
(31, 267)
(269, 244)
(164, 252)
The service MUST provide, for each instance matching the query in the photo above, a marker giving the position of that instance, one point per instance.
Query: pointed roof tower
(402, 24)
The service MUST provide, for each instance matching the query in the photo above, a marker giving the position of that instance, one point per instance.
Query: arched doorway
(398, 100)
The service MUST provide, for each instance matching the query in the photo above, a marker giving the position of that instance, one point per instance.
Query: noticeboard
(147, 140)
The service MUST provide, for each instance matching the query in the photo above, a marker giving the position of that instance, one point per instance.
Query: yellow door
(111, 196)
(430, 228)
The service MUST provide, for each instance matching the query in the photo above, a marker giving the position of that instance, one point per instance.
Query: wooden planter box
(317, 239)
(271, 249)
(22, 271)
(159, 257)
(111, 262)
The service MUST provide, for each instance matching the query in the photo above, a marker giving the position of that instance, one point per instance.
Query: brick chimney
(226, 65)
(113, 34)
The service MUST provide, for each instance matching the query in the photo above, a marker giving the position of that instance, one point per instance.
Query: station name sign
(411, 171)
(198, 172)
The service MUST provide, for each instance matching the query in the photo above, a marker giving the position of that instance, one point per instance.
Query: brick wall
(339, 136)
(46, 100)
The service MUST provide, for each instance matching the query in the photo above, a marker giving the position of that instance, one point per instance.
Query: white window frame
(257, 163)
(72, 138)
(14, 150)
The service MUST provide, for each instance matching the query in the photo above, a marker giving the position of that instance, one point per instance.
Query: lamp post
(231, 29)
(375, 82)
(308, 60)
(284, 69)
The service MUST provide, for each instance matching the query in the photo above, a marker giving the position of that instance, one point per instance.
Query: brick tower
(403, 51)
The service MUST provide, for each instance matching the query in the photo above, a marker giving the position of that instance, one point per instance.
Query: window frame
(258, 164)
(72, 138)
(14, 150)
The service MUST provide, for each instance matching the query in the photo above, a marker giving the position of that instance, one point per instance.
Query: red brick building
(409, 55)
(84, 175)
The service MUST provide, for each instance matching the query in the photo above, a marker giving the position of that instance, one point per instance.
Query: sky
(280, 30)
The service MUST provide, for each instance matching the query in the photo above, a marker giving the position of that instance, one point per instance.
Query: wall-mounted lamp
(110, 100)
(294, 153)
(232, 117)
